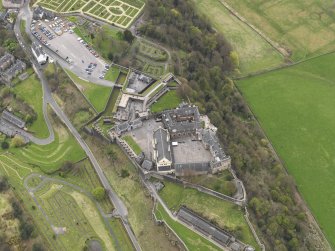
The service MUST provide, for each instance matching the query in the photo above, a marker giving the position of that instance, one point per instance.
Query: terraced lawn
(50, 158)
(295, 107)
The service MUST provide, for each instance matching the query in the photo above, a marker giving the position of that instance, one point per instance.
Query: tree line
(204, 60)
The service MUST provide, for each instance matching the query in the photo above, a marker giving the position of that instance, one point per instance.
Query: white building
(39, 54)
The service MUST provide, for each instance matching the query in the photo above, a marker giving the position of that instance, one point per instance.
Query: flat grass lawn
(295, 107)
(226, 215)
(113, 73)
(98, 95)
(30, 90)
(168, 101)
(192, 240)
(132, 143)
(304, 26)
(254, 52)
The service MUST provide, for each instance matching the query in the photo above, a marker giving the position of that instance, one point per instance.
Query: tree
(38, 247)
(112, 154)
(26, 230)
(235, 59)
(128, 36)
(4, 185)
(99, 193)
(124, 173)
(18, 141)
(4, 145)
(67, 166)
(110, 56)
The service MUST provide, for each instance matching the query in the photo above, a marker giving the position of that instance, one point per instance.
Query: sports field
(295, 106)
(306, 27)
(119, 12)
(254, 52)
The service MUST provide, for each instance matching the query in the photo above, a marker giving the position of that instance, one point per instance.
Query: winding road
(121, 210)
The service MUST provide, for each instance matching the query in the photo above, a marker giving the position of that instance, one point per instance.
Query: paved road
(121, 209)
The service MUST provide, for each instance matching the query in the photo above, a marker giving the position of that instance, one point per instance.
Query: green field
(192, 240)
(113, 73)
(98, 95)
(169, 100)
(30, 90)
(306, 27)
(120, 13)
(50, 158)
(132, 143)
(254, 52)
(295, 106)
(226, 215)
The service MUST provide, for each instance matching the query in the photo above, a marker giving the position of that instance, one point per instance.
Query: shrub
(4, 145)
(124, 173)
(99, 193)
(18, 141)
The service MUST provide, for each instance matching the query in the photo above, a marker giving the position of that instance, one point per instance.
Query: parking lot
(58, 36)
(68, 46)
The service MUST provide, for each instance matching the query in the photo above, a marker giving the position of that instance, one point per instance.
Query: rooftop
(184, 118)
(162, 145)
(15, 68)
(209, 137)
(6, 115)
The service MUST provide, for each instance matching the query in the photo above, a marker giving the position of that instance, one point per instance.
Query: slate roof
(6, 60)
(190, 218)
(19, 66)
(162, 145)
(6, 115)
(191, 167)
(184, 118)
(147, 164)
(209, 137)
